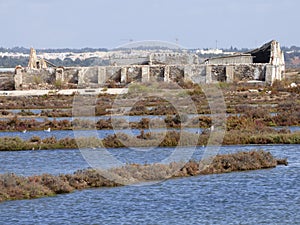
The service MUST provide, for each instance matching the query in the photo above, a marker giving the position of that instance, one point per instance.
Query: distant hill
(56, 50)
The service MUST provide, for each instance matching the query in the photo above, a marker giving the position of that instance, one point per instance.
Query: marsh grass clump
(240, 161)
(13, 187)
(13, 144)
(170, 138)
(248, 118)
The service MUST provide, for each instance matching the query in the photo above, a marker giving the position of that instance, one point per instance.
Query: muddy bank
(13, 187)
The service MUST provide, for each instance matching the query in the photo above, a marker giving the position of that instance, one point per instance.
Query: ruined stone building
(264, 64)
(34, 62)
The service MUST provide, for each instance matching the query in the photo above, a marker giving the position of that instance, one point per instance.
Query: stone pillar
(123, 75)
(145, 74)
(150, 59)
(59, 74)
(229, 73)
(18, 78)
(81, 73)
(101, 75)
(167, 74)
(270, 74)
(278, 73)
(208, 74)
(187, 73)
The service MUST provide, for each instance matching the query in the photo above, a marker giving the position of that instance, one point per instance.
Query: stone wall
(230, 73)
(33, 78)
(87, 76)
(250, 72)
(176, 73)
(173, 59)
(69, 75)
(129, 61)
(134, 73)
(265, 64)
(100, 76)
(7, 81)
(233, 59)
(195, 73)
(155, 59)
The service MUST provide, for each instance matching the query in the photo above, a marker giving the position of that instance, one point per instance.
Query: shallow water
(254, 197)
(59, 134)
(93, 118)
(7, 70)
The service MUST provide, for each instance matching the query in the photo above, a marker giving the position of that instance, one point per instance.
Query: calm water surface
(59, 134)
(269, 196)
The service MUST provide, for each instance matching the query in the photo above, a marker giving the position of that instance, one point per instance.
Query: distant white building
(210, 51)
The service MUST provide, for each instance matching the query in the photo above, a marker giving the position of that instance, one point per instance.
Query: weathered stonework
(265, 64)
(145, 74)
(7, 81)
(34, 62)
(195, 73)
(173, 59)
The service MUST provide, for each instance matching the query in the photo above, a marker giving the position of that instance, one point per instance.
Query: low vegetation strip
(249, 118)
(14, 187)
(171, 139)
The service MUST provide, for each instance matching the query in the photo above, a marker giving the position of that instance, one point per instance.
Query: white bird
(48, 130)
(24, 131)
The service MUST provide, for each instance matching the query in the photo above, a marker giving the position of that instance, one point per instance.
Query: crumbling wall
(173, 59)
(250, 72)
(161, 67)
(267, 64)
(233, 59)
(113, 73)
(157, 73)
(177, 73)
(134, 73)
(70, 75)
(196, 74)
(37, 79)
(88, 75)
(218, 73)
(95, 77)
(7, 82)
(128, 61)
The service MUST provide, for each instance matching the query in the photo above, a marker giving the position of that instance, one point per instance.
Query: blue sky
(110, 23)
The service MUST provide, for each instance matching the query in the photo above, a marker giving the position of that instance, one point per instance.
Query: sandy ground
(65, 92)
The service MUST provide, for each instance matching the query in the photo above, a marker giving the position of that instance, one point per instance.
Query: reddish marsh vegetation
(13, 187)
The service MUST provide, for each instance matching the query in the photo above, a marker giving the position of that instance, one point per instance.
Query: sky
(111, 23)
